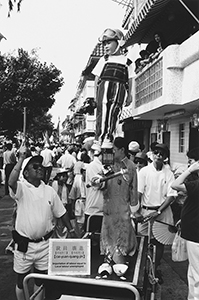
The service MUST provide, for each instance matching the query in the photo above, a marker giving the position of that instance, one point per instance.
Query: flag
(56, 132)
(2, 37)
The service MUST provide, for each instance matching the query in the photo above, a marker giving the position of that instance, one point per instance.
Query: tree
(42, 124)
(11, 4)
(26, 82)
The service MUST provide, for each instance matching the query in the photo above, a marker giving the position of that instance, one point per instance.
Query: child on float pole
(114, 73)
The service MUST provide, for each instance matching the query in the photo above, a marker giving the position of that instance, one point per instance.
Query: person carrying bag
(179, 247)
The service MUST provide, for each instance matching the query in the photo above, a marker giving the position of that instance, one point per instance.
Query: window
(149, 84)
(181, 137)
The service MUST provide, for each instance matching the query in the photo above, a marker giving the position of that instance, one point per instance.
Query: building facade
(165, 92)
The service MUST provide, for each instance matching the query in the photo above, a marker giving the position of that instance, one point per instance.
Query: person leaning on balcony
(142, 61)
(156, 46)
(188, 183)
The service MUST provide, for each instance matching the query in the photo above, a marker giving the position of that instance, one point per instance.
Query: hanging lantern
(107, 156)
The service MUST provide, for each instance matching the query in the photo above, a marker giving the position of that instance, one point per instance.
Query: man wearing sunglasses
(155, 196)
(37, 207)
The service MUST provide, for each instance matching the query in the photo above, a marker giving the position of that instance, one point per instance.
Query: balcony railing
(149, 84)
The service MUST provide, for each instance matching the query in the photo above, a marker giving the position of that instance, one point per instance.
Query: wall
(177, 157)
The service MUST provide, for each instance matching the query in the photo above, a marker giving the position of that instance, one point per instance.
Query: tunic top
(117, 230)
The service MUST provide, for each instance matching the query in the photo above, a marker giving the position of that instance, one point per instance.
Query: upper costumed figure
(114, 73)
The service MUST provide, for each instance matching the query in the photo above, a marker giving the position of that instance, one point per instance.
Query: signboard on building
(69, 257)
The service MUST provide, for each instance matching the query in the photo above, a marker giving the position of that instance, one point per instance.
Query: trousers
(193, 270)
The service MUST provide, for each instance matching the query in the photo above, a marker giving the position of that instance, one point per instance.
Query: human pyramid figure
(114, 74)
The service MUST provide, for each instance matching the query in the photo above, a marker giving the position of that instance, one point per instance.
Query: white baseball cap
(96, 148)
(134, 147)
(29, 160)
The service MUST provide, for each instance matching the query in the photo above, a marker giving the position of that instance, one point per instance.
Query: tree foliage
(43, 124)
(12, 3)
(26, 82)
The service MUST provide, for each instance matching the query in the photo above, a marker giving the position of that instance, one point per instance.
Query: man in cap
(155, 196)
(133, 149)
(141, 160)
(37, 207)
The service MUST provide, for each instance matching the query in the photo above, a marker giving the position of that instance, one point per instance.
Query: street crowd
(57, 188)
(138, 189)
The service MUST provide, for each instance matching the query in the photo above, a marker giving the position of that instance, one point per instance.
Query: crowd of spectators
(68, 170)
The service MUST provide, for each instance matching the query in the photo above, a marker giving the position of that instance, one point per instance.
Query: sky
(64, 32)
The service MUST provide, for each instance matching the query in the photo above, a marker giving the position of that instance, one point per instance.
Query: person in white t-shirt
(67, 160)
(48, 156)
(113, 85)
(37, 207)
(94, 195)
(78, 197)
(155, 196)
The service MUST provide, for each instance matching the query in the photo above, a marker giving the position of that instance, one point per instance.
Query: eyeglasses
(36, 166)
(156, 152)
(108, 41)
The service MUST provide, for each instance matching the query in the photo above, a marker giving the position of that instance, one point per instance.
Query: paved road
(174, 274)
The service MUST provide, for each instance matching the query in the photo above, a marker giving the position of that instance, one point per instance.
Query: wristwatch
(159, 212)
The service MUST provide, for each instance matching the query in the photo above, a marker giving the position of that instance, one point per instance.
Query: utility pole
(24, 123)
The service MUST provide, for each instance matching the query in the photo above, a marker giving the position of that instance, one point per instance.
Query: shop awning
(171, 17)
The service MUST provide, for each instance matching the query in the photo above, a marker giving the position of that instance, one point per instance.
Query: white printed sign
(69, 257)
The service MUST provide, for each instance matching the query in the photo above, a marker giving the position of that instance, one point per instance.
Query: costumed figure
(114, 74)
(118, 239)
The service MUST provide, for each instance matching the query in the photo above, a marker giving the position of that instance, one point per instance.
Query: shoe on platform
(104, 271)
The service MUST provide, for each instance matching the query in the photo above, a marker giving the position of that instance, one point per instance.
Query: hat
(163, 147)
(96, 148)
(88, 139)
(141, 155)
(61, 170)
(134, 147)
(112, 34)
(30, 160)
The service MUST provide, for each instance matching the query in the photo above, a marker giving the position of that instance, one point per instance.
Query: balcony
(168, 83)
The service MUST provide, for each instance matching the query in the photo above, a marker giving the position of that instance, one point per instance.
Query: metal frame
(80, 281)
